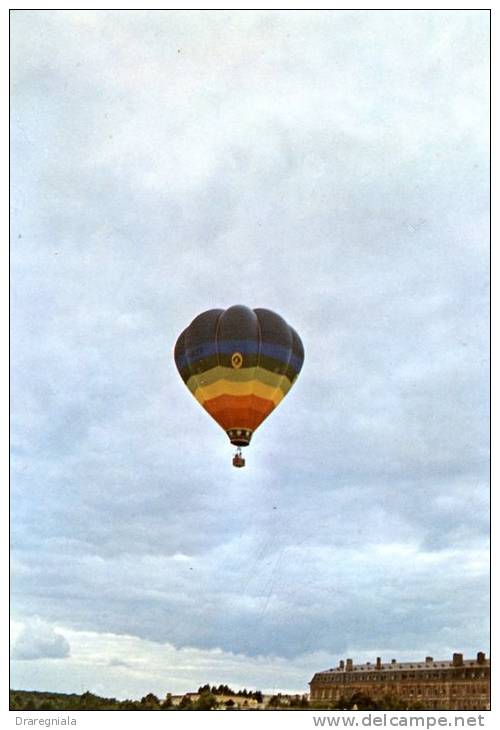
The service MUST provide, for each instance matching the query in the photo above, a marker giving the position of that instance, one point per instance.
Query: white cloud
(37, 640)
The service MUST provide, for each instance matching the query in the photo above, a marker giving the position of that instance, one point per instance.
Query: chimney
(378, 665)
(348, 665)
(341, 664)
(428, 660)
(481, 657)
(458, 660)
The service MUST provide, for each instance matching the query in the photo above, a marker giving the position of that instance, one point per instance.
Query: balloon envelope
(239, 363)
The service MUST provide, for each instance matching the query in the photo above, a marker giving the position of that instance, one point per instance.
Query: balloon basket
(238, 460)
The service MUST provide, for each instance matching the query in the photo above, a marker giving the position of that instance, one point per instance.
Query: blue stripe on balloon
(246, 347)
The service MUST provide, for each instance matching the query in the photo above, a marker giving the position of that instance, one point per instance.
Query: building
(434, 685)
(240, 702)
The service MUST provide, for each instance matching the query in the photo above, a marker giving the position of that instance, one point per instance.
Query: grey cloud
(40, 641)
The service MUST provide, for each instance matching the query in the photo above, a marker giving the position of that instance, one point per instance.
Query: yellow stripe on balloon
(231, 387)
(273, 380)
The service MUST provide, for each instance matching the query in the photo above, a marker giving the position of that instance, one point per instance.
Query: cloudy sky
(331, 166)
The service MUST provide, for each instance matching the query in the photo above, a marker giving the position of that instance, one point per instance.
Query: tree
(89, 701)
(206, 701)
(391, 702)
(167, 702)
(47, 705)
(15, 702)
(186, 703)
(363, 702)
(128, 705)
(150, 701)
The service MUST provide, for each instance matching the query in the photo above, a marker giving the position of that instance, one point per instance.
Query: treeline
(207, 699)
(223, 689)
(24, 700)
(298, 702)
(30, 700)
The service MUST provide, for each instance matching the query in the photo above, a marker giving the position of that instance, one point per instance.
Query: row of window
(416, 692)
(396, 676)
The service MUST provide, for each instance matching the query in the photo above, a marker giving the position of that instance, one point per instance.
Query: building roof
(393, 666)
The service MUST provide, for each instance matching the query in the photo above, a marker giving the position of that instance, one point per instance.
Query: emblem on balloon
(236, 360)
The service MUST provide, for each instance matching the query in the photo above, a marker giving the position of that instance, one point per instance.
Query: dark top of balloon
(239, 323)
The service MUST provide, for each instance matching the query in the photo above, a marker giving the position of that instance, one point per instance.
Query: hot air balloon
(239, 363)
